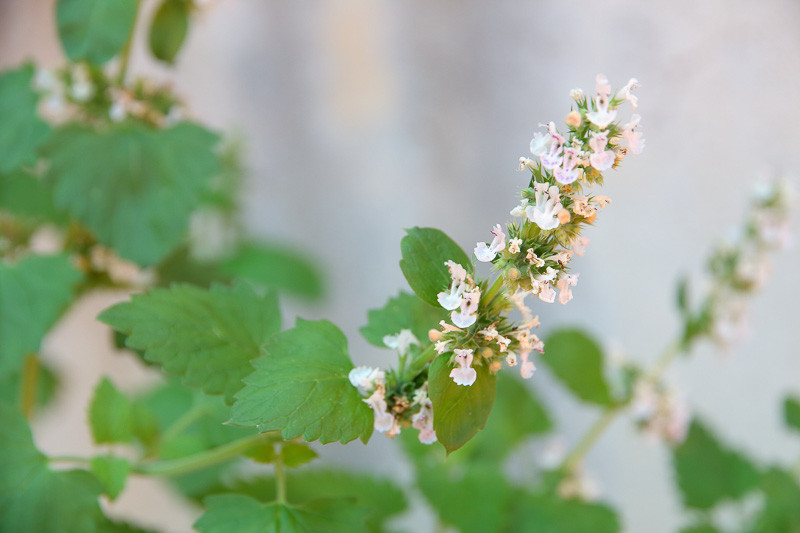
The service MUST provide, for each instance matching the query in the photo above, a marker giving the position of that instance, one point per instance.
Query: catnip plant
(107, 183)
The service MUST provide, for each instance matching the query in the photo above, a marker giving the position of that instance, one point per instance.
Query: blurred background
(363, 117)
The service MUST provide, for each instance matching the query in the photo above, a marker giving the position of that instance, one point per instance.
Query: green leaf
(33, 294)
(21, 129)
(424, 252)
(791, 413)
(235, 512)
(459, 411)
(181, 267)
(207, 336)
(517, 414)
(301, 387)
(577, 361)
(169, 28)
(297, 454)
(405, 311)
(34, 498)
(23, 195)
(110, 414)
(94, 30)
(548, 514)
(134, 187)
(707, 473)
(46, 386)
(682, 295)
(700, 528)
(112, 472)
(781, 512)
(275, 266)
(474, 498)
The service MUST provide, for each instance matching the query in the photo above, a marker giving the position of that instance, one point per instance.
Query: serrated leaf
(236, 512)
(112, 472)
(549, 514)
(110, 414)
(94, 30)
(405, 311)
(275, 266)
(134, 187)
(474, 498)
(301, 388)
(781, 511)
(517, 414)
(708, 473)
(168, 29)
(34, 498)
(424, 253)
(791, 413)
(459, 411)
(33, 293)
(295, 454)
(577, 361)
(21, 129)
(207, 336)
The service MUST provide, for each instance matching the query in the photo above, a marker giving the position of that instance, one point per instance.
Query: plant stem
(280, 479)
(186, 420)
(126, 50)
(417, 364)
(585, 444)
(172, 467)
(30, 375)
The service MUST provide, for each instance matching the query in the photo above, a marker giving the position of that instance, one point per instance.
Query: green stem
(30, 375)
(126, 50)
(280, 479)
(186, 420)
(493, 290)
(173, 467)
(68, 459)
(418, 364)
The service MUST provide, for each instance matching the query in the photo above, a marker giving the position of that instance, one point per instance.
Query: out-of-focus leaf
(702, 528)
(781, 511)
(33, 293)
(169, 28)
(134, 187)
(791, 413)
(94, 30)
(46, 386)
(236, 512)
(110, 414)
(405, 311)
(708, 473)
(549, 514)
(459, 411)
(23, 195)
(207, 336)
(296, 454)
(577, 361)
(301, 388)
(424, 253)
(112, 472)
(275, 266)
(21, 129)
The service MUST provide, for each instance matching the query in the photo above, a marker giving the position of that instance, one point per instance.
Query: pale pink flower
(503, 342)
(527, 368)
(519, 211)
(633, 137)
(579, 245)
(601, 159)
(513, 245)
(401, 341)
(562, 258)
(365, 378)
(447, 328)
(565, 281)
(464, 374)
(441, 346)
(486, 253)
(567, 172)
(423, 421)
(452, 298)
(540, 144)
(534, 259)
(383, 418)
(627, 92)
(511, 359)
(469, 306)
(548, 205)
(552, 158)
(602, 116)
(489, 333)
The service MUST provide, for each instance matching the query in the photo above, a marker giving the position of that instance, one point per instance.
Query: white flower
(601, 159)
(579, 245)
(540, 144)
(565, 281)
(602, 117)
(633, 137)
(465, 374)
(513, 245)
(383, 418)
(401, 341)
(519, 211)
(441, 346)
(527, 368)
(423, 421)
(486, 253)
(627, 92)
(452, 299)
(552, 158)
(568, 171)
(365, 378)
(469, 306)
(547, 207)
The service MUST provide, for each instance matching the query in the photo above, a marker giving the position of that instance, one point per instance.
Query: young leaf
(405, 311)
(33, 293)
(296, 454)
(274, 266)
(549, 514)
(474, 499)
(301, 387)
(169, 28)
(110, 414)
(112, 472)
(781, 512)
(34, 498)
(236, 512)
(577, 361)
(425, 251)
(791, 413)
(94, 30)
(21, 129)
(207, 336)
(459, 411)
(132, 186)
(707, 473)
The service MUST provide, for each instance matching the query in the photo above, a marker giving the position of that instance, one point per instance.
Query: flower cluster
(533, 256)
(660, 412)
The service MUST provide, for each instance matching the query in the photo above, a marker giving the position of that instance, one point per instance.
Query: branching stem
(182, 465)
(30, 376)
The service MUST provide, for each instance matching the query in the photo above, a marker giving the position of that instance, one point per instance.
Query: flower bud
(486, 352)
(573, 119)
(563, 216)
(435, 335)
(512, 273)
(495, 366)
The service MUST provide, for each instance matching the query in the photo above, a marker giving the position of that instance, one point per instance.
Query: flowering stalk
(530, 256)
